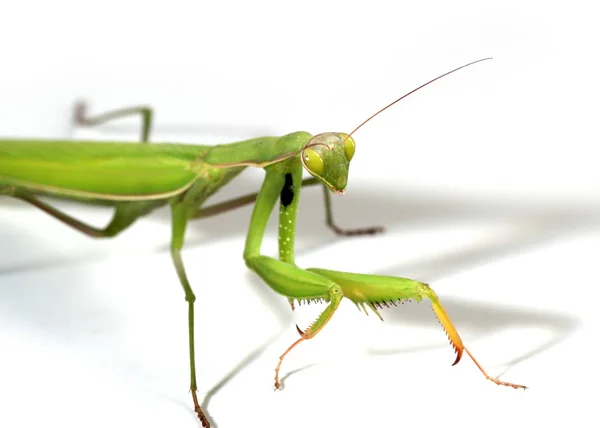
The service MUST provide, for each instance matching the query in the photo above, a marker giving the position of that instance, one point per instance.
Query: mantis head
(327, 157)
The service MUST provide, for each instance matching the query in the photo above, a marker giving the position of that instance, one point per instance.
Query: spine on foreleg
(377, 290)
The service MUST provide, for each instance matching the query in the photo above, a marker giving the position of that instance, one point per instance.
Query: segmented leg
(181, 213)
(334, 296)
(340, 231)
(125, 214)
(237, 202)
(283, 276)
(377, 290)
(82, 118)
(455, 338)
(251, 198)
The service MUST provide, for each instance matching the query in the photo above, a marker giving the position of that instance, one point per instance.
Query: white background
(486, 182)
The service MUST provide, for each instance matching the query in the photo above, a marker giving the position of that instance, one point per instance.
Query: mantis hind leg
(123, 217)
(82, 118)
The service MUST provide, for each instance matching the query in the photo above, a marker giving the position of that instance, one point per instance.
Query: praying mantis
(136, 179)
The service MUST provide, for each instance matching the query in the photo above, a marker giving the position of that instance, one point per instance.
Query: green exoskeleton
(135, 179)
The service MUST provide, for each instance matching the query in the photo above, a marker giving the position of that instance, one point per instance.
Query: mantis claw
(458, 355)
(457, 343)
(198, 410)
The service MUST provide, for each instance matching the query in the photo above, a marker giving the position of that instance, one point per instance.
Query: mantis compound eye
(349, 146)
(313, 161)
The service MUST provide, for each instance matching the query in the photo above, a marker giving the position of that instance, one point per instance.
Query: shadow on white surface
(526, 223)
(511, 228)
(245, 362)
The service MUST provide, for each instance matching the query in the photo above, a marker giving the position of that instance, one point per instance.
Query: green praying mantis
(136, 179)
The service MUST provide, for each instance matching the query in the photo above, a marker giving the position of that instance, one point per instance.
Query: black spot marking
(287, 192)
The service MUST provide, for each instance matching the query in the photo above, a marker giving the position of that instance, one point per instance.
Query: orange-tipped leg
(493, 379)
(334, 296)
(456, 341)
(302, 338)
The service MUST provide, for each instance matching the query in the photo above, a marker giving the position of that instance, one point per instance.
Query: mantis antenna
(414, 90)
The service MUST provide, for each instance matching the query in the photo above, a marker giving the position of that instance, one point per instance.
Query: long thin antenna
(415, 90)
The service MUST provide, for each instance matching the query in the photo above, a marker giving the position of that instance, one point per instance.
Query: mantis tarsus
(138, 178)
